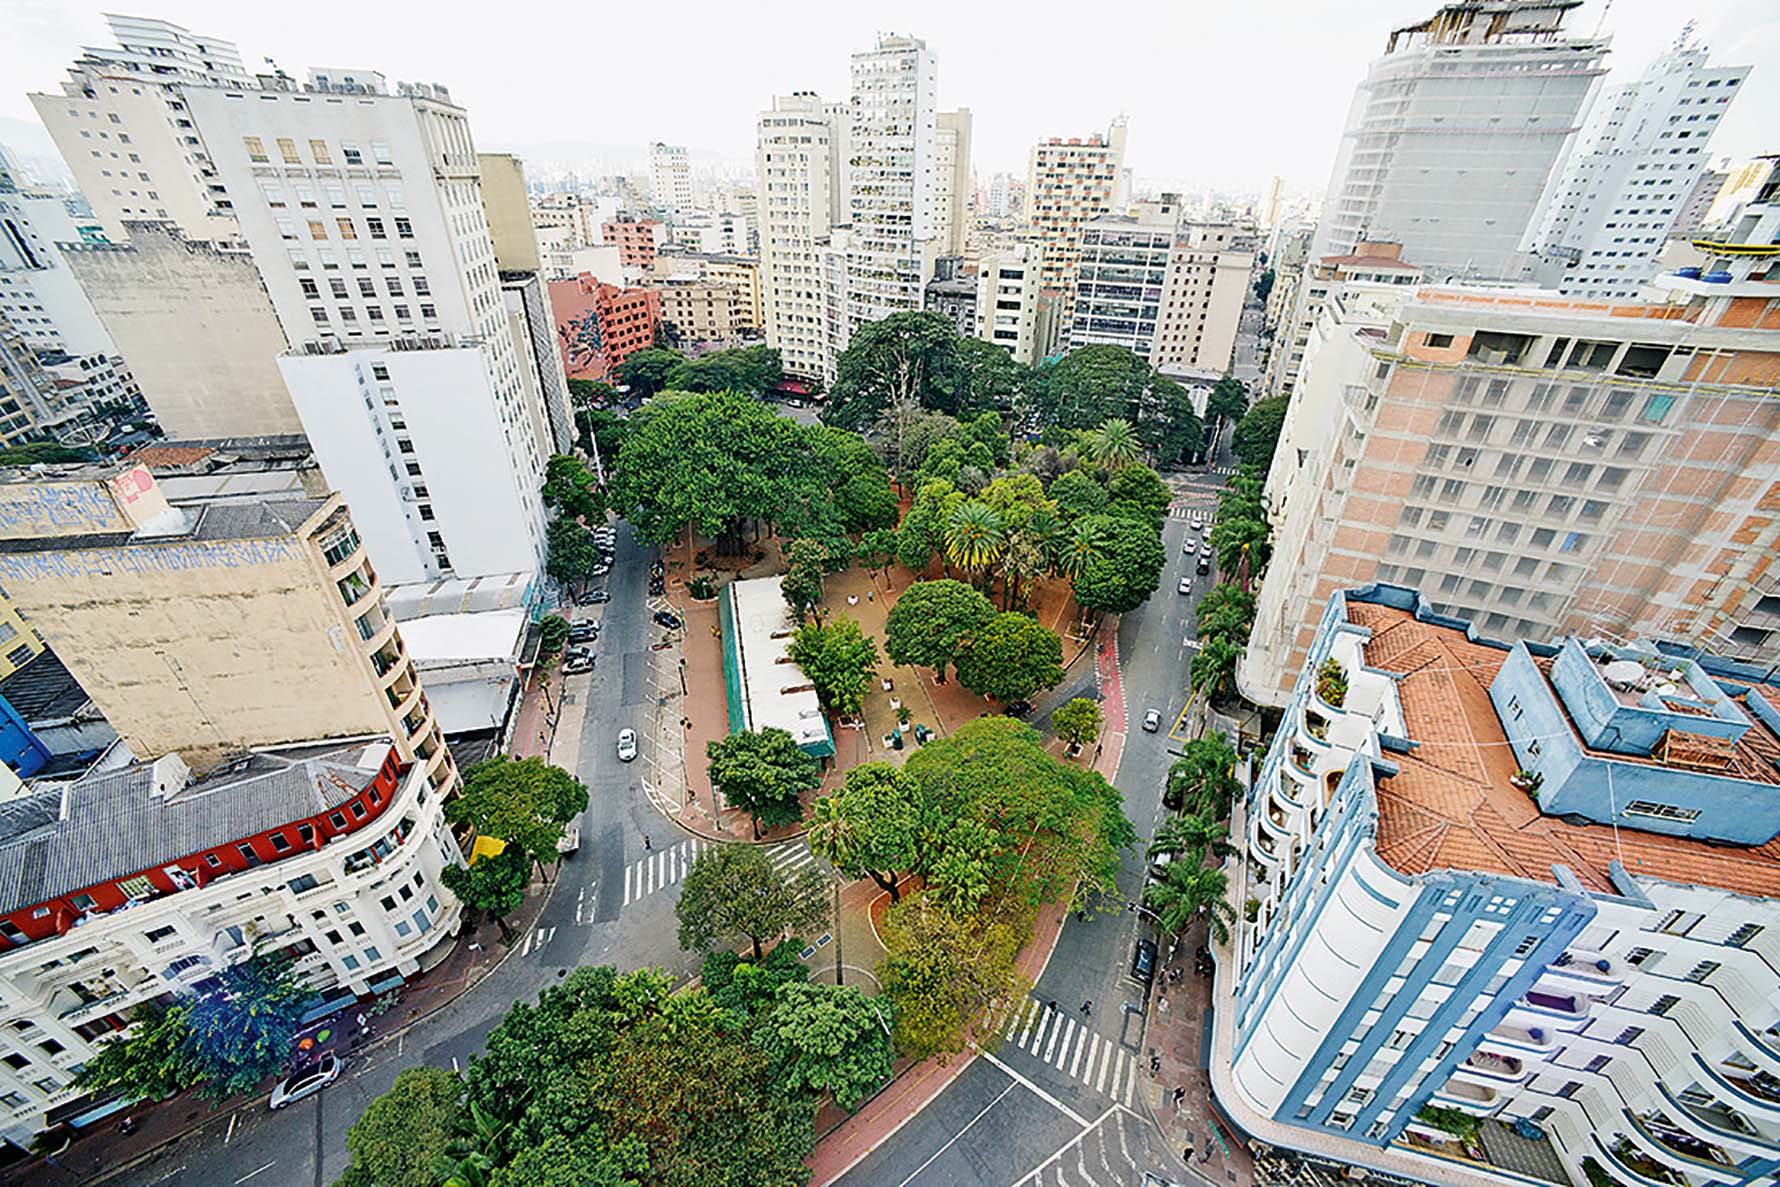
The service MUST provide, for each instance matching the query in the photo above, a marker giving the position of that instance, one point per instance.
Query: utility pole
(837, 927)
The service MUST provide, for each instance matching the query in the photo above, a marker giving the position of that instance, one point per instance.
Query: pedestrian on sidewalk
(647, 844)
(1087, 1008)
(1180, 1093)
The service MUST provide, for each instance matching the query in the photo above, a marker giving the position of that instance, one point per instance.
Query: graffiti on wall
(58, 509)
(153, 559)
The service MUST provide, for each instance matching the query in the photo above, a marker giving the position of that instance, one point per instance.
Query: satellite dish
(1667, 690)
(1623, 673)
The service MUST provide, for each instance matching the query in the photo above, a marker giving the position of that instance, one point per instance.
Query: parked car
(657, 569)
(584, 632)
(1152, 721)
(1189, 545)
(575, 665)
(593, 597)
(578, 653)
(1143, 961)
(1159, 865)
(1018, 708)
(668, 619)
(1204, 566)
(656, 586)
(1185, 586)
(627, 745)
(599, 570)
(570, 839)
(301, 1085)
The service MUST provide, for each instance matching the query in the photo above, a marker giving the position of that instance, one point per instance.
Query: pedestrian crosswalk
(1190, 510)
(1059, 1040)
(667, 867)
(536, 939)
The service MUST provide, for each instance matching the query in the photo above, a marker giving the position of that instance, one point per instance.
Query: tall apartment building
(892, 184)
(1454, 132)
(800, 172)
(1003, 196)
(1635, 167)
(1007, 300)
(1369, 263)
(128, 588)
(34, 405)
(637, 240)
(1534, 884)
(1288, 254)
(1540, 466)
(1121, 271)
(1694, 211)
(600, 325)
(951, 181)
(1268, 215)
(519, 262)
(670, 178)
(1069, 183)
(38, 294)
(1210, 270)
(364, 214)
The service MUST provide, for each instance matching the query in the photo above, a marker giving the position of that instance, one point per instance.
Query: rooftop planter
(1331, 683)
(1528, 781)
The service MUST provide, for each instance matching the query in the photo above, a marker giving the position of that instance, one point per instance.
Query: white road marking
(1037, 1091)
(1080, 1043)
(1064, 1026)
(955, 1137)
(1106, 1063)
(1131, 1084)
(1050, 1017)
(1029, 1017)
(233, 1117)
(1038, 1170)
(627, 873)
(251, 1174)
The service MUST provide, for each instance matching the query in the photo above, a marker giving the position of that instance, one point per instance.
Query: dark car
(1203, 567)
(1143, 961)
(657, 586)
(1018, 708)
(668, 619)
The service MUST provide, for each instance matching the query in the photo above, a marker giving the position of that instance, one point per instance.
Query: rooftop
(1451, 804)
(766, 690)
(44, 690)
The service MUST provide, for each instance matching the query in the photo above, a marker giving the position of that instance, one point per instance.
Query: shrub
(1331, 683)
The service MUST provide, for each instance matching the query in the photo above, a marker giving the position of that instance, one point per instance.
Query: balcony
(1672, 1148)
(1474, 1097)
(1500, 1067)
(1535, 1038)
(1301, 761)
(1569, 1005)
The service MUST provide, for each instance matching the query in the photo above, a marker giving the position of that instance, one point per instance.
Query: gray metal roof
(58, 839)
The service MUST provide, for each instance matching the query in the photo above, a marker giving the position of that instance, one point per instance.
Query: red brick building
(598, 325)
(637, 240)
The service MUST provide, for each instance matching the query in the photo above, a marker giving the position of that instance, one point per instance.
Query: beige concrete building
(1069, 183)
(801, 177)
(129, 589)
(1535, 464)
(1370, 263)
(19, 641)
(1007, 300)
(707, 313)
(742, 272)
(508, 211)
(951, 181)
(1210, 269)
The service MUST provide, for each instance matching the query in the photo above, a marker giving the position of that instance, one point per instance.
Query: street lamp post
(837, 928)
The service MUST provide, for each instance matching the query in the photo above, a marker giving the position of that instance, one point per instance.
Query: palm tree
(831, 833)
(1114, 444)
(1226, 611)
(1190, 834)
(1213, 670)
(1187, 892)
(975, 537)
(1022, 564)
(1077, 549)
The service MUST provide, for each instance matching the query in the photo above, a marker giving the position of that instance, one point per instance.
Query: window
(287, 148)
(350, 154)
(1658, 811)
(318, 152)
(1656, 408)
(1702, 970)
(280, 842)
(375, 227)
(346, 229)
(158, 934)
(335, 818)
(380, 152)
(1438, 341)
(356, 928)
(256, 149)
(317, 229)
(404, 229)
(1627, 1036)
(138, 887)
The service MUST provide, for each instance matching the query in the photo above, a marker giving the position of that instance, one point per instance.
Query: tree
(1138, 492)
(988, 379)
(1114, 445)
(1124, 568)
(921, 430)
(1263, 285)
(1228, 400)
(942, 972)
(751, 371)
(646, 371)
(1257, 433)
(802, 582)
(553, 632)
(923, 530)
(494, 884)
(1010, 657)
(1187, 892)
(877, 548)
(897, 364)
(1077, 721)
(764, 773)
(1173, 429)
(735, 890)
(930, 621)
(38, 453)
(1191, 838)
(1017, 498)
(524, 802)
(569, 489)
(587, 394)
(1227, 611)
(830, 1038)
(573, 553)
(1081, 547)
(398, 1140)
(1213, 670)
(840, 660)
(1202, 779)
(152, 1061)
(974, 537)
(1077, 495)
(871, 826)
(866, 502)
(1090, 385)
(581, 1160)
(1230, 537)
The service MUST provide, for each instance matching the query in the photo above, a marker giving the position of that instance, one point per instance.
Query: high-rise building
(1289, 250)
(33, 404)
(1269, 212)
(600, 325)
(1007, 299)
(1069, 183)
(670, 178)
(364, 214)
(1120, 270)
(128, 588)
(800, 174)
(1369, 262)
(38, 294)
(1537, 465)
(1210, 269)
(951, 181)
(895, 110)
(1635, 167)
(1522, 891)
(1002, 189)
(1454, 133)
(122, 127)
(637, 240)
(1692, 215)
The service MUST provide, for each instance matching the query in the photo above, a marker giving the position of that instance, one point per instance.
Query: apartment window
(1597, 1063)
(256, 149)
(356, 928)
(1656, 408)
(317, 229)
(318, 152)
(158, 934)
(337, 285)
(350, 154)
(1556, 436)
(1658, 811)
(365, 287)
(397, 199)
(380, 152)
(306, 833)
(411, 258)
(1701, 971)
(1632, 444)
(358, 809)
(286, 228)
(346, 229)
(287, 148)
(335, 819)
(1612, 477)
(280, 842)
(375, 227)
(422, 287)
(1438, 341)
(309, 288)
(1578, 474)
(404, 229)
(335, 192)
(1617, 405)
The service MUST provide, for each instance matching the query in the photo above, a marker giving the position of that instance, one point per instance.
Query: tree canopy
(1090, 385)
(1257, 433)
(494, 884)
(735, 891)
(1010, 657)
(872, 826)
(839, 659)
(646, 371)
(897, 364)
(1121, 565)
(752, 370)
(400, 1137)
(763, 772)
(930, 622)
(1077, 721)
(523, 801)
(570, 491)
(829, 1038)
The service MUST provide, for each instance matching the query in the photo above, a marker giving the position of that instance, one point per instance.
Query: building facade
(952, 188)
(1370, 263)
(1121, 273)
(670, 178)
(707, 314)
(637, 240)
(891, 185)
(1007, 300)
(598, 326)
(1453, 135)
(1070, 182)
(38, 294)
(1539, 466)
(1635, 169)
(800, 172)
(1527, 884)
(1210, 270)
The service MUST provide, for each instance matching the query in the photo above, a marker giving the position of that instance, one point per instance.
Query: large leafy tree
(898, 364)
(153, 1061)
(802, 582)
(1188, 892)
(866, 502)
(494, 884)
(930, 622)
(1077, 494)
(1121, 565)
(942, 973)
(735, 891)
(1017, 498)
(1090, 385)
(1010, 657)
(988, 379)
(400, 1137)
(524, 801)
(1077, 721)
(1190, 838)
(839, 659)
(830, 1038)
(1138, 492)
(1257, 433)
(569, 489)
(923, 530)
(872, 826)
(646, 371)
(751, 370)
(1172, 428)
(1228, 400)
(763, 772)
(573, 554)
(878, 548)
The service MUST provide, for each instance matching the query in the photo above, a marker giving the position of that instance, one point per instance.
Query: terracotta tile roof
(1451, 805)
(171, 455)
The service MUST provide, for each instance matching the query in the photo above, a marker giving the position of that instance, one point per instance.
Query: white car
(303, 1084)
(1189, 546)
(627, 745)
(1185, 586)
(1152, 721)
(570, 840)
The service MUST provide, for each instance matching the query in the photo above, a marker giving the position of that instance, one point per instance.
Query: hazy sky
(1227, 92)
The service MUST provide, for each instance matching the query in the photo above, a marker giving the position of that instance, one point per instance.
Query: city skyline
(1185, 66)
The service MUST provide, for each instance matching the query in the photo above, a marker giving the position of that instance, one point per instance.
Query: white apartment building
(122, 126)
(1635, 167)
(130, 883)
(1007, 300)
(951, 182)
(799, 167)
(1003, 199)
(712, 234)
(1453, 135)
(1119, 280)
(1370, 263)
(1210, 270)
(38, 294)
(670, 178)
(365, 216)
(892, 184)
